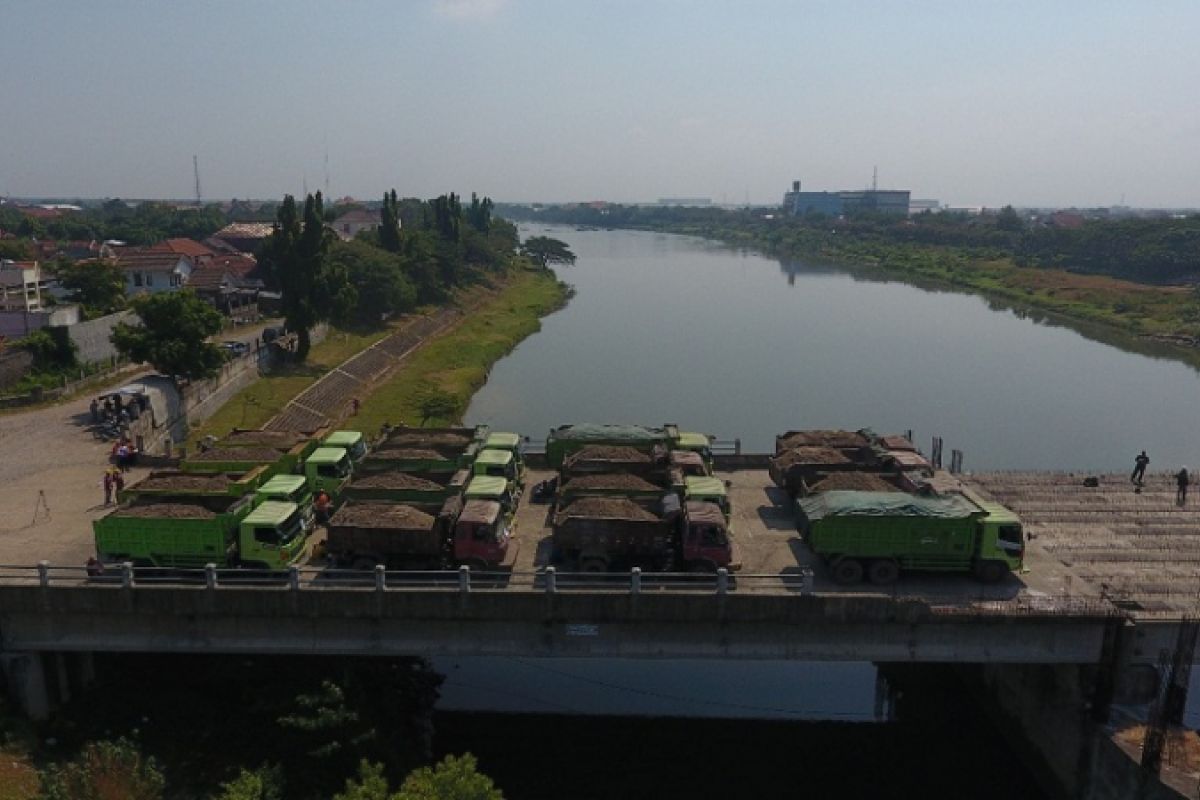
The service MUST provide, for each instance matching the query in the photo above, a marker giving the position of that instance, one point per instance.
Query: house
(22, 284)
(152, 269)
(227, 281)
(354, 221)
(239, 237)
(197, 252)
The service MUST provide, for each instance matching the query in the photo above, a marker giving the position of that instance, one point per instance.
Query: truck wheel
(702, 568)
(848, 570)
(475, 565)
(883, 571)
(363, 564)
(990, 571)
(593, 565)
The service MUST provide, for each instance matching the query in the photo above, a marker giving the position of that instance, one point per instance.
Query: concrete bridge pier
(38, 683)
(1066, 714)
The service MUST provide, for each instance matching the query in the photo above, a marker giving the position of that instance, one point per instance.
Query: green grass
(266, 397)
(458, 362)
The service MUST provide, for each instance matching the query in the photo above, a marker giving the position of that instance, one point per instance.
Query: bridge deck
(1140, 550)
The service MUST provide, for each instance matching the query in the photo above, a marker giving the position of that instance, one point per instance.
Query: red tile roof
(150, 259)
(188, 247)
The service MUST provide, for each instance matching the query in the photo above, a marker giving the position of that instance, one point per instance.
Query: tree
(546, 251)
(51, 349)
(435, 403)
(314, 289)
(389, 223)
(97, 285)
(454, 778)
(264, 783)
(105, 770)
(1009, 220)
(172, 335)
(381, 287)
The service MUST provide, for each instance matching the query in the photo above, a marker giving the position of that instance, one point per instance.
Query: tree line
(1145, 250)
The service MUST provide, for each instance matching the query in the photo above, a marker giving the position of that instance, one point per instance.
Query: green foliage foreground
(172, 335)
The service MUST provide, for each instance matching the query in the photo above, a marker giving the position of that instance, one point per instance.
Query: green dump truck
(289, 489)
(177, 483)
(567, 439)
(188, 534)
(878, 534)
(328, 469)
(362, 535)
(511, 443)
(407, 487)
(499, 464)
(353, 442)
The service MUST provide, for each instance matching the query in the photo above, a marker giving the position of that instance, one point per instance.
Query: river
(667, 328)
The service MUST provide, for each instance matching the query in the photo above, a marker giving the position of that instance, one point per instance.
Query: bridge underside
(368, 622)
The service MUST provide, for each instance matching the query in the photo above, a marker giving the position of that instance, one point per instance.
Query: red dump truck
(598, 534)
(414, 536)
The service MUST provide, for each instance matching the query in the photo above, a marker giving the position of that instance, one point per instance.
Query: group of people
(114, 410)
(114, 481)
(1182, 478)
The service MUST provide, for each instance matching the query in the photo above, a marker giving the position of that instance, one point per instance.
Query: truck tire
(476, 565)
(702, 568)
(990, 571)
(363, 564)
(848, 570)
(883, 571)
(593, 565)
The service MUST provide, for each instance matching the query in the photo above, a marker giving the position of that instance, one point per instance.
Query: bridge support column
(25, 674)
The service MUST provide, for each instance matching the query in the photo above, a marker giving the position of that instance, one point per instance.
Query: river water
(666, 328)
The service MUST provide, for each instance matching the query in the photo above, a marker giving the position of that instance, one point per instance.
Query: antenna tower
(326, 168)
(875, 179)
(196, 171)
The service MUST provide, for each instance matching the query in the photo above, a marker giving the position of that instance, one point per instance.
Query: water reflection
(673, 328)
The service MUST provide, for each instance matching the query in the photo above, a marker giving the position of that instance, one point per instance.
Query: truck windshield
(358, 450)
(1010, 534)
(291, 528)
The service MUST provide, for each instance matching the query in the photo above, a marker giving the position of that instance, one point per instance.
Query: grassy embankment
(266, 397)
(1133, 308)
(456, 363)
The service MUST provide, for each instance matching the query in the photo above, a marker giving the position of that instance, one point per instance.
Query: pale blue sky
(1054, 102)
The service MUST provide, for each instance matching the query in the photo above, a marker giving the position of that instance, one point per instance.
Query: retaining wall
(91, 338)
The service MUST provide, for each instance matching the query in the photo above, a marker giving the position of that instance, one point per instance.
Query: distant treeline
(1156, 251)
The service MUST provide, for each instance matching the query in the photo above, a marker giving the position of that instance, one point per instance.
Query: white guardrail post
(464, 579)
(294, 578)
(380, 577)
(722, 581)
(635, 580)
(44, 573)
(210, 576)
(127, 575)
(551, 580)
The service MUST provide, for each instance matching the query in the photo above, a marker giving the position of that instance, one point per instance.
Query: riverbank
(454, 365)
(1170, 314)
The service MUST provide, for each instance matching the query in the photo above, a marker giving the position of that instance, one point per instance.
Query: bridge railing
(546, 580)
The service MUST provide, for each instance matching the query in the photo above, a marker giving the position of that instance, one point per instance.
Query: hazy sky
(1052, 102)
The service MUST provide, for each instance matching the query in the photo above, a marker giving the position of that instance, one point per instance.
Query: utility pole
(196, 171)
(875, 179)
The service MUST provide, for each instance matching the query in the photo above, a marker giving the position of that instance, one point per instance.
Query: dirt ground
(49, 454)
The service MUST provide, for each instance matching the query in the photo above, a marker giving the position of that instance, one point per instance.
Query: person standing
(1139, 469)
(1181, 486)
(94, 407)
(108, 487)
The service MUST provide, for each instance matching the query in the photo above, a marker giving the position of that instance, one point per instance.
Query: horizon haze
(1022, 103)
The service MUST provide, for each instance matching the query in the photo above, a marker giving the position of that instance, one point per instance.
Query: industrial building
(881, 201)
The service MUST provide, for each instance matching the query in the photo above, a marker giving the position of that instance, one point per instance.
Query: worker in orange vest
(321, 506)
